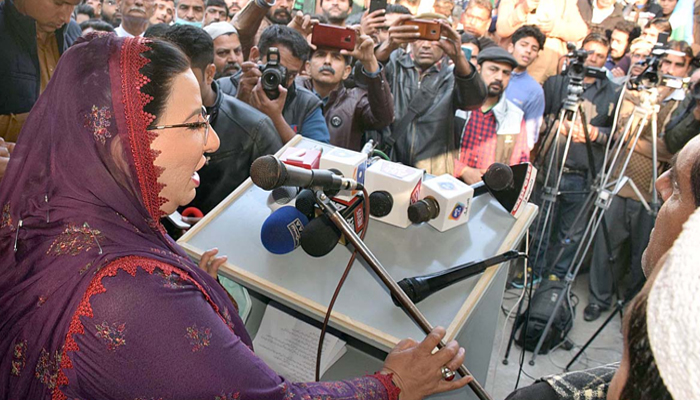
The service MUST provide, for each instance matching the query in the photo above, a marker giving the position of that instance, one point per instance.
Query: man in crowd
(190, 12)
(476, 20)
(135, 17)
(244, 132)
(33, 35)
(667, 7)
(427, 91)
(393, 11)
(296, 110)
(559, 20)
(84, 12)
(685, 120)
(215, 11)
(523, 90)
(654, 28)
(496, 131)
(110, 13)
(279, 14)
(444, 7)
(234, 6)
(598, 100)
(350, 112)
(618, 61)
(628, 221)
(472, 43)
(96, 6)
(336, 11)
(164, 12)
(601, 15)
(228, 55)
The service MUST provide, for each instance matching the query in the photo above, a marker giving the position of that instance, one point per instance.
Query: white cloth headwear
(673, 315)
(216, 29)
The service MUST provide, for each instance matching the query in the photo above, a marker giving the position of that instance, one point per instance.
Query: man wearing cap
(496, 131)
(228, 54)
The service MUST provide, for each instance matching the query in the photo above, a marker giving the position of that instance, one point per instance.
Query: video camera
(651, 76)
(576, 68)
(273, 74)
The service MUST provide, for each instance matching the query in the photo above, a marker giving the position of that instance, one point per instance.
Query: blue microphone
(281, 231)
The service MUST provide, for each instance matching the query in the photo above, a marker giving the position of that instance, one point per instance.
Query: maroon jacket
(351, 112)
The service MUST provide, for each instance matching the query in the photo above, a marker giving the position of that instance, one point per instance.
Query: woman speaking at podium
(96, 301)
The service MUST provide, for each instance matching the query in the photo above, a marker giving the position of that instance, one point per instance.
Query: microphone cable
(365, 207)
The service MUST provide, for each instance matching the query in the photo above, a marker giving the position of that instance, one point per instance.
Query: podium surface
(364, 309)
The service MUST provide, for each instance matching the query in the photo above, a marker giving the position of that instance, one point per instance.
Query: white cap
(217, 29)
(673, 315)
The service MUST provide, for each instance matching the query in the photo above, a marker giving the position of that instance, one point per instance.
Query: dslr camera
(273, 74)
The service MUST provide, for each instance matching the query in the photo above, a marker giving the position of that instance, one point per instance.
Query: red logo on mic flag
(415, 194)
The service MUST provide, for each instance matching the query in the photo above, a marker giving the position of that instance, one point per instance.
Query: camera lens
(271, 79)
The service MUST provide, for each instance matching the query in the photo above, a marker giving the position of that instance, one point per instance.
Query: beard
(495, 89)
(337, 19)
(280, 16)
(229, 70)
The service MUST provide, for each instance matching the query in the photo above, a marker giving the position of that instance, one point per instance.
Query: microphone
(420, 287)
(268, 172)
(320, 236)
(281, 232)
(306, 200)
(380, 203)
(393, 188)
(510, 186)
(282, 196)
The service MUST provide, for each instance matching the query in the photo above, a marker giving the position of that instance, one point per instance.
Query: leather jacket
(245, 134)
(351, 112)
(428, 142)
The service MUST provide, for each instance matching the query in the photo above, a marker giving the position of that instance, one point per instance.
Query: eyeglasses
(191, 125)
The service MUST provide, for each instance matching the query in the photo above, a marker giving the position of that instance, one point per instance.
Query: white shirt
(599, 14)
(121, 32)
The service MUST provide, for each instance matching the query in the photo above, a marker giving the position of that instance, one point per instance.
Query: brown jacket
(351, 112)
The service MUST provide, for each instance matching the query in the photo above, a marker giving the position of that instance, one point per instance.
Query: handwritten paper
(289, 346)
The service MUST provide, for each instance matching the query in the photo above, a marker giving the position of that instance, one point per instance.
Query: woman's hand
(417, 372)
(210, 263)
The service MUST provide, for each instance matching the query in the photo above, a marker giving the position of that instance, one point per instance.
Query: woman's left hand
(210, 263)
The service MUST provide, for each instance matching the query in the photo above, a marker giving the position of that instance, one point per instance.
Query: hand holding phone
(428, 30)
(332, 36)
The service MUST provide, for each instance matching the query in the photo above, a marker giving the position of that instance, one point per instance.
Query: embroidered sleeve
(153, 334)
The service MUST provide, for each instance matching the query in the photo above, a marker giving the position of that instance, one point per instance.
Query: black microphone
(268, 172)
(420, 287)
(320, 236)
(305, 203)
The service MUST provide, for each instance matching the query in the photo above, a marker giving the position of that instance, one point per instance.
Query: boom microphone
(268, 172)
(420, 287)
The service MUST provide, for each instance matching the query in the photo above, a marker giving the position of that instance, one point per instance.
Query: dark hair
(195, 42)
(97, 25)
(626, 26)
(320, 17)
(156, 31)
(85, 9)
(216, 3)
(396, 9)
(596, 38)
(469, 38)
(695, 181)
(643, 379)
(282, 35)
(485, 4)
(661, 24)
(682, 46)
(529, 31)
(166, 62)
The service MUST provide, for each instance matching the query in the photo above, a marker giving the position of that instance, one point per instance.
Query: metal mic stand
(406, 303)
(648, 108)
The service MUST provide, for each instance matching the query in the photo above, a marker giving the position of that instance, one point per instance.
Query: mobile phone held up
(375, 5)
(428, 30)
(335, 37)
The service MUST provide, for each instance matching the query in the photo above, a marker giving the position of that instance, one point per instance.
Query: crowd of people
(139, 76)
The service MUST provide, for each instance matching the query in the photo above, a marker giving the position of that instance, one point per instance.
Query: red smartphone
(324, 35)
(429, 30)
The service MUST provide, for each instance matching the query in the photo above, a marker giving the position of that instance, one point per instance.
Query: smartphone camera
(273, 74)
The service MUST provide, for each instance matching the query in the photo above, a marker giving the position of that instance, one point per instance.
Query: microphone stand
(403, 299)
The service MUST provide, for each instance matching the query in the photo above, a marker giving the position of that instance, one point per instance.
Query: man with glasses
(476, 20)
(245, 133)
(216, 11)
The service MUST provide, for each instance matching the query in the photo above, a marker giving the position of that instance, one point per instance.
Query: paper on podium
(289, 346)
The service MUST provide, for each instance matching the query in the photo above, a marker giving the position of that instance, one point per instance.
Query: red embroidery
(6, 218)
(41, 301)
(48, 367)
(229, 396)
(98, 122)
(112, 334)
(130, 265)
(19, 358)
(137, 120)
(75, 239)
(392, 390)
(199, 337)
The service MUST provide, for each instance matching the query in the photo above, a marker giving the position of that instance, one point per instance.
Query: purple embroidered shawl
(80, 191)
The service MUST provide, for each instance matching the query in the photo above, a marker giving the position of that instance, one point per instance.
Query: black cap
(496, 54)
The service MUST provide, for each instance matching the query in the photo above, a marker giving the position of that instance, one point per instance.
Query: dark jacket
(20, 81)
(300, 103)
(245, 134)
(585, 7)
(598, 102)
(682, 127)
(428, 142)
(350, 112)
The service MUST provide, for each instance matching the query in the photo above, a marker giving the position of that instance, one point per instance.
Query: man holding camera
(245, 133)
(598, 101)
(291, 108)
(350, 112)
(628, 221)
(427, 91)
